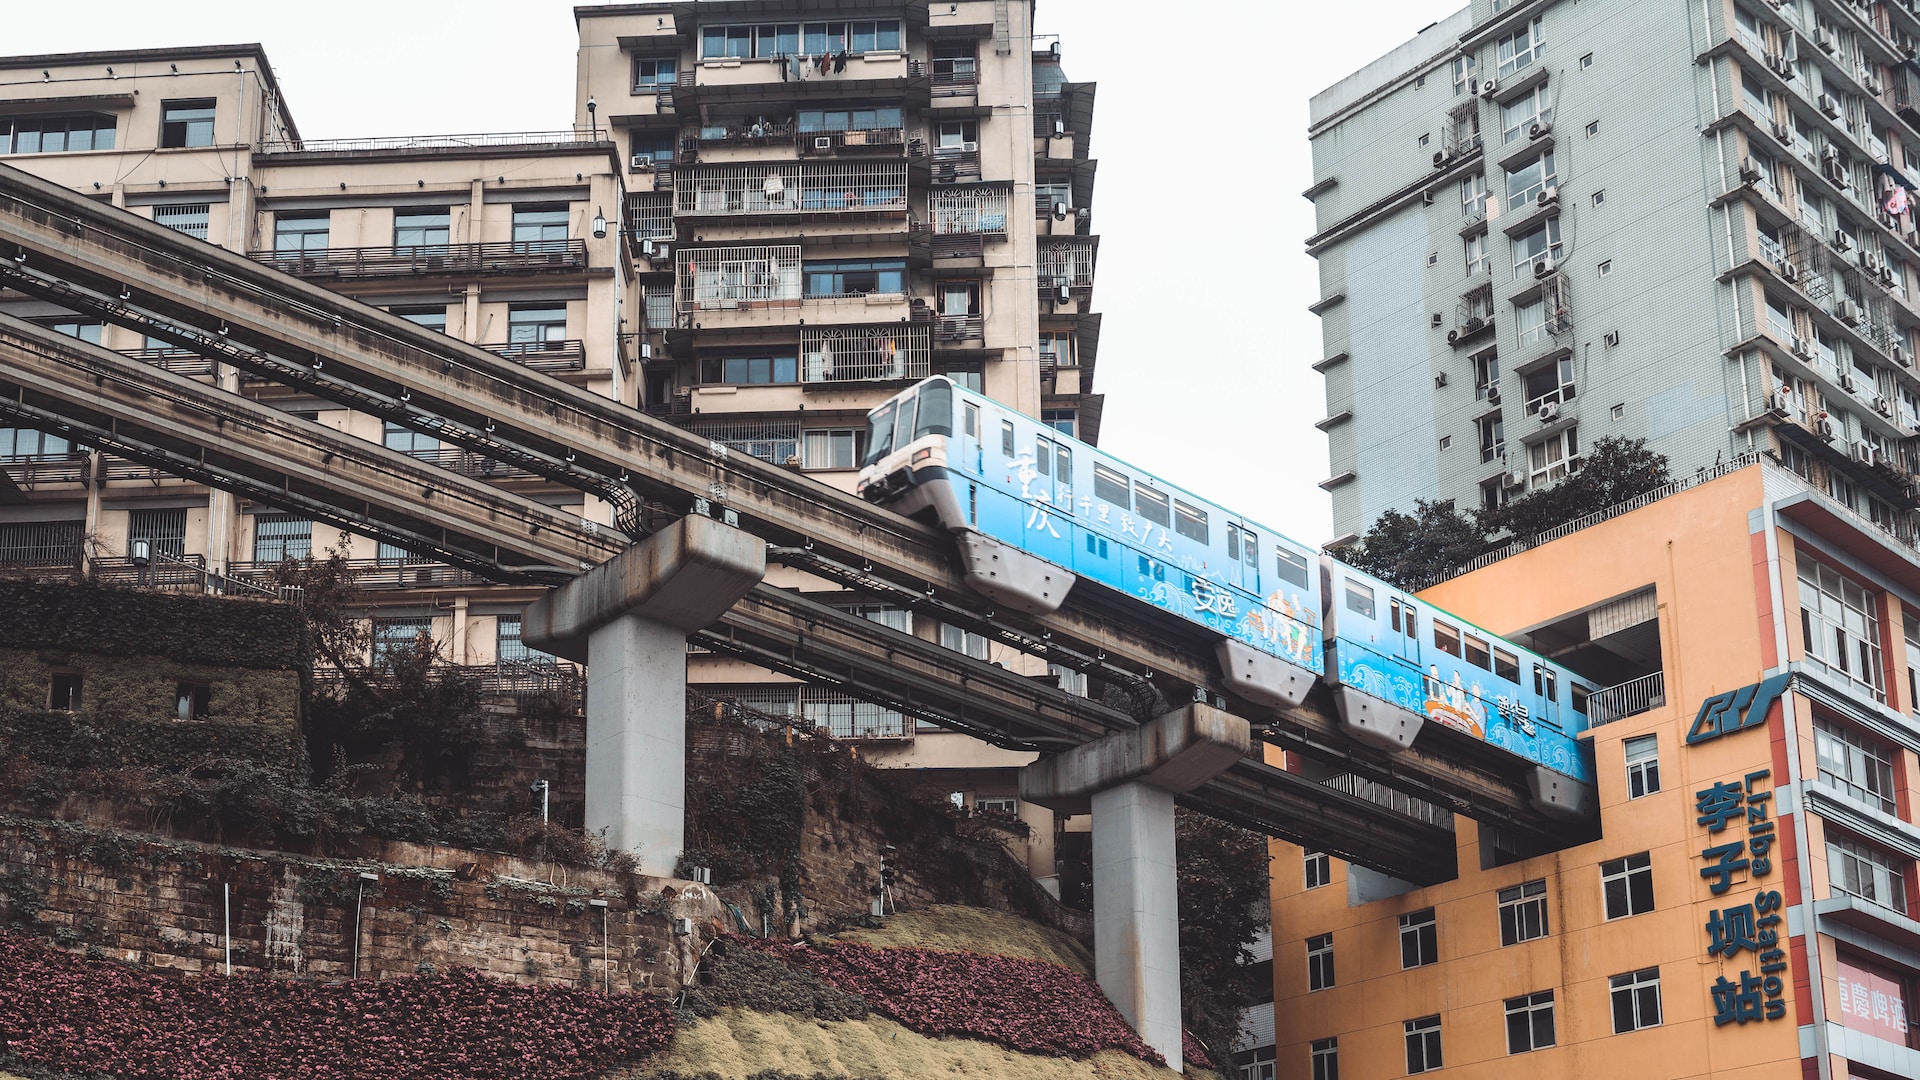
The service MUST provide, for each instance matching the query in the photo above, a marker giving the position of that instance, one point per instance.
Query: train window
(1152, 505)
(1252, 556)
(1403, 618)
(1006, 437)
(1477, 653)
(1506, 665)
(879, 433)
(1233, 540)
(972, 420)
(1446, 638)
(1043, 457)
(1156, 571)
(1096, 546)
(1111, 487)
(936, 409)
(1393, 613)
(1359, 599)
(1579, 694)
(1063, 478)
(1544, 682)
(1190, 522)
(1291, 566)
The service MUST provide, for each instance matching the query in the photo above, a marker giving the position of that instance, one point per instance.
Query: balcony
(560, 354)
(1066, 262)
(42, 545)
(28, 470)
(969, 211)
(871, 142)
(817, 189)
(956, 164)
(737, 79)
(738, 278)
(957, 81)
(1630, 698)
(433, 260)
(571, 138)
(180, 573)
(468, 463)
(371, 574)
(959, 330)
(178, 361)
(891, 352)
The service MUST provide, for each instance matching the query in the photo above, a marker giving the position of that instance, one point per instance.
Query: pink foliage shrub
(74, 1015)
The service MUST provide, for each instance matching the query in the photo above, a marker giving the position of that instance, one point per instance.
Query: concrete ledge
(684, 576)
(1176, 752)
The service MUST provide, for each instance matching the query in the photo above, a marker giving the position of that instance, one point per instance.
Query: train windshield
(908, 417)
(936, 410)
(880, 432)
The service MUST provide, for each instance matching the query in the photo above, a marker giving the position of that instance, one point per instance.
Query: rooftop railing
(572, 137)
(1630, 698)
(443, 260)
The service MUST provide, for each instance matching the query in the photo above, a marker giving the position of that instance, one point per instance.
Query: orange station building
(1747, 909)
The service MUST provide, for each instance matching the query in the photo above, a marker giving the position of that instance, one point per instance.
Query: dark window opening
(64, 694)
(193, 701)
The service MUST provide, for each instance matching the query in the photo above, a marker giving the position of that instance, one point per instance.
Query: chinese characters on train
(1740, 830)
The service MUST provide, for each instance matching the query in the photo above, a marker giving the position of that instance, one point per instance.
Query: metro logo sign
(1736, 710)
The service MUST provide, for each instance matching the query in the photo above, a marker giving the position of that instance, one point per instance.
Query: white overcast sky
(1199, 126)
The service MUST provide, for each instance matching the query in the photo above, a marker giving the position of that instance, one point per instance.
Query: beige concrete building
(757, 229)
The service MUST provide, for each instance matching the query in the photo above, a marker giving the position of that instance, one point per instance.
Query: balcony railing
(888, 352)
(180, 573)
(30, 469)
(1065, 261)
(1630, 698)
(950, 328)
(563, 354)
(468, 463)
(776, 188)
(721, 279)
(42, 545)
(371, 574)
(968, 210)
(956, 164)
(890, 141)
(435, 260)
(1382, 795)
(178, 361)
(955, 83)
(573, 137)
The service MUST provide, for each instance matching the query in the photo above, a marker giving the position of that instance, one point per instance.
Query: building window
(1464, 69)
(192, 701)
(508, 646)
(831, 448)
(1325, 1055)
(1475, 247)
(1855, 762)
(1523, 912)
(1061, 420)
(1586, 61)
(1643, 765)
(1319, 868)
(1423, 1044)
(881, 118)
(422, 232)
(1552, 458)
(1628, 885)
(961, 640)
(1527, 183)
(1419, 939)
(1486, 373)
(1540, 242)
(1056, 349)
(540, 228)
(1839, 625)
(749, 370)
(1473, 194)
(83, 329)
(1593, 128)
(650, 73)
(1319, 962)
(394, 637)
(1518, 117)
(959, 298)
(1870, 873)
(855, 277)
(56, 134)
(32, 443)
(164, 531)
(1493, 437)
(189, 218)
(186, 123)
(536, 322)
(1530, 1022)
(1553, 382)
(295, 233)
(281, 536)
(63, 692)
(652, 148)
(408, 441)
(434, 318)
(1047, 197)
(1520, 48)
(1636, 1000)
(1530, 322)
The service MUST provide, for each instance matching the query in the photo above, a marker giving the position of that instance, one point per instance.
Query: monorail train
(1034, 510)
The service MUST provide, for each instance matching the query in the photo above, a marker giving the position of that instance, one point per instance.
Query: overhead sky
(1199, 127)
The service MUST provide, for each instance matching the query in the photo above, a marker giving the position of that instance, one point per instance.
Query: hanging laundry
(826, 359)
(826, 63)
(775, 188)
(797, 65)
(1897, 201)
(840, 62)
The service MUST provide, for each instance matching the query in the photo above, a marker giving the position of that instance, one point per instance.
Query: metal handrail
(569, 137)
(423, 259)
(1630, 698)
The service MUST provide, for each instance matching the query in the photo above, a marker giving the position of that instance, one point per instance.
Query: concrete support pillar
(1136, 913)
(1128, 780)
(628, 621)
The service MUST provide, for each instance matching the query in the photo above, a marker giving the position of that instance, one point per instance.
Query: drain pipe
(359, 902)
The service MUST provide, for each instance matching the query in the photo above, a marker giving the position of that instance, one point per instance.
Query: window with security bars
(277, 537)
(1523, 912)
(189, 218)
(1873, 874)
(659, 310)
(1419, 939)
(393, 637)
(1839, 626)
(41, 543)
(510, 649)
(1628, 885)
(838, 714)
(1530, 1022)
(164, 530)
(1855, 762)
(650, 216)
(1636, 1000)
(777, 441)
(1423, 1044)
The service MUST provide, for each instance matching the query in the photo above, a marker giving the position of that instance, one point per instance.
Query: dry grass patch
(737, 1043)
(967, 929)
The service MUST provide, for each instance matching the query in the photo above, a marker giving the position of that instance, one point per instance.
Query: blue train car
(1009, 485)
(1397, 662)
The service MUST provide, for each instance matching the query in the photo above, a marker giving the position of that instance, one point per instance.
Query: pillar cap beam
(1176, 752)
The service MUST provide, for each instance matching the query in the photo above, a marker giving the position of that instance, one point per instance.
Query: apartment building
(1747, 909)
(760, 221)
(1541, 223)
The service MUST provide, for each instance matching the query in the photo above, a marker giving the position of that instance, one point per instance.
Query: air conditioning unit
(1863, 451)
(1847, 383)
(1829, 106)
(1888, 278)
(1493, 395)
(1841, 241)
(1777, 407)
(1823, 39)
(1749, 173)
(1544, 267)
(1824, 428)
(1849, 312)
(1870, 85)
(971, 147)
(823, 142)
(1784, 133)
(1548, 195)
(1515, 479)
(1900, 355)
(1548, 412)
(1800, 348)
(643, 162)
(1489, 88)
(1789, 271)
(1439, 160)
(1453, 336)
(1539, 128)
(1869, 262)
(1884, 407)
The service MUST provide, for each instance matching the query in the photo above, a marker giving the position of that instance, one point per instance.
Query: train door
(1402, 638)
(1243, 557)
(965, 455)
(1049, 526)
(1546, 694)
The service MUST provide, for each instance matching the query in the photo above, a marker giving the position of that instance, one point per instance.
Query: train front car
(1035, 510)
(1397, 663)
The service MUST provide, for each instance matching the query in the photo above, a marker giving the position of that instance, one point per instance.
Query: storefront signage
(1873, 1002)
(1735, 710)
(1738, 815)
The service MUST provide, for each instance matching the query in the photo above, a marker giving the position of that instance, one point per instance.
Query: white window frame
(1642, 753)
(1531, 1006)
(962, 640)
(1515, 124)
(1534, 177)
(1325, 1057)
(1530, 321)
(1524, 253)
(1626, 871)
(830, 448)
(1553, 457)
(1411, 926)
(1512, 56)
(1473, 194)
(1522, 900)
(1426, 1030)
(1317, 868)
(1635, 986)
(1320, 972)
(1840, 625)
